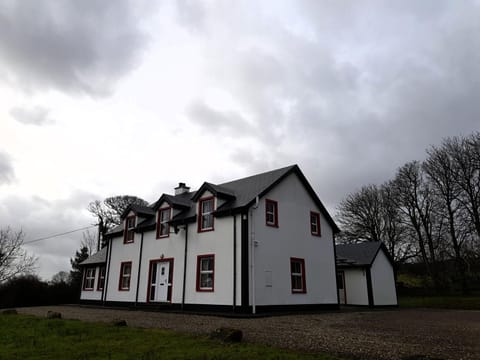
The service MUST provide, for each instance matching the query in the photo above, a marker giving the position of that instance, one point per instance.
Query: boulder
(227, 334)
(53, 315)
(119, 322)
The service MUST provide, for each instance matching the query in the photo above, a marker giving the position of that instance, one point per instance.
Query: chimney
(181, 189)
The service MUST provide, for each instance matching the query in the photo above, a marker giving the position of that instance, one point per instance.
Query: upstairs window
(205, 214)
(205, 272)
(89, 279)
(315, 224)
(163, 227)
(129, 229)
(271, 213)
(125, 275)
(297, 274)
(101, 278)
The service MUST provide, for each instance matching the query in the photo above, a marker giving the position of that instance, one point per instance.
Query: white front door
(159, 281)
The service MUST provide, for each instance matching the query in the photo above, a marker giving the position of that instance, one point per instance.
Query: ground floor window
(205, 272)
(89, 279)
(125, 275)
(297, 271)
(101, 278)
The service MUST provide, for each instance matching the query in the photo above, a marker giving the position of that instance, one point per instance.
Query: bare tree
(14, 260)
(443, 175)
(465, 153)
(89, 241)
(371, 214)
(359, 215)
(109, 211)
(416, 202)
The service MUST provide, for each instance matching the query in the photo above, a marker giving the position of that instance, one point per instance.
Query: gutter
(184, 266)
(107, 270)
(139, 268)
(234, 262)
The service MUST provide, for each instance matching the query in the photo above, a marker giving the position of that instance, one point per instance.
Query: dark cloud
(7, 173)
(37, 115)
(349, 91)
(72, 46)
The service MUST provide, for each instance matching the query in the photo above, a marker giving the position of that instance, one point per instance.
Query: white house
(365, 275)
(261, 243)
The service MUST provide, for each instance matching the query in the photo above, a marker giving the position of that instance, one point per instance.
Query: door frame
(170, 279)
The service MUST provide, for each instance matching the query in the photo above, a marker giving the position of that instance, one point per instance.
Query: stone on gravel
(53, 315)
(119, 322)
(227, 334)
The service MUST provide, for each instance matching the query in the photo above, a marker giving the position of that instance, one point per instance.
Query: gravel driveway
(393, 334)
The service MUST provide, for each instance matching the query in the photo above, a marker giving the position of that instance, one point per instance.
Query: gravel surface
(393, 334)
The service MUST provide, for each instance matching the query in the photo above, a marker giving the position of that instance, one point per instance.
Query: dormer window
(205, 214)
(163, 227)
(129, 229)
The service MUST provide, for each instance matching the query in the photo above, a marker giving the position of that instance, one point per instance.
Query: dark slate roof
(239, 195)
(176, 201)
(145, 211)
(217, 190)
(97, 258)
(361, 254)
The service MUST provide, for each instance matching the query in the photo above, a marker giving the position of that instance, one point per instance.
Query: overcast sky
(102, 98)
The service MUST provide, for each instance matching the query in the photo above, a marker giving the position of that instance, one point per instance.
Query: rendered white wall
(218, 242)
(155, 249)
(123, 253)
(383, 281)
(356, 287)
(292, 239)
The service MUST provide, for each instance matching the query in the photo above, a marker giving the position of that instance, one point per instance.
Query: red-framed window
(163, 227)
(101, 278)
(125, 276)
(315, 224)
(271, 213)
(205, 214)
(129, 229)
(297, 275)
(89, 279)
(205, 272)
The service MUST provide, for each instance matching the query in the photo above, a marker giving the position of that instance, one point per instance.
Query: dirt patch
(393, 334)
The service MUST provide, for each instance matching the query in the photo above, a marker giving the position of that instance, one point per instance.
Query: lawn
(441, 302)
(27, 337)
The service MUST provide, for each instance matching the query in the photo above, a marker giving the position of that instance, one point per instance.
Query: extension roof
(359, 255)
(98, 258)
(239, 195)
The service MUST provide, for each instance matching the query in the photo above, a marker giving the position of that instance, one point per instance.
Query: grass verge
(28, 337)
(441, 302)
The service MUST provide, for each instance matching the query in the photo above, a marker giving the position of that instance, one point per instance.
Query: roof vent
(181, 189)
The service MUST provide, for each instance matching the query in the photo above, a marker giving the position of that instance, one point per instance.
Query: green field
(441, 302)
(26, 337)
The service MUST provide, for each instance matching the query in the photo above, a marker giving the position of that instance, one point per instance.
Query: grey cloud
(213, 120)
(7, 173)
(39, 218)
(37, 115)
(72, 46)
(191, 14)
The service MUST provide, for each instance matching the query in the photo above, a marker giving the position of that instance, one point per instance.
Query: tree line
(428, 213)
